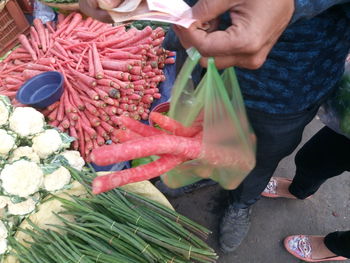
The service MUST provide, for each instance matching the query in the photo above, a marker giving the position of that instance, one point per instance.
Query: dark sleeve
(310, 8)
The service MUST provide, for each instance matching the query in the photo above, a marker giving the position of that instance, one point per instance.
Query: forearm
(310, 8)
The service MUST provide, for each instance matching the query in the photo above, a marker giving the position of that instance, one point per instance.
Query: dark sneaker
(234, 227)
(183, 190)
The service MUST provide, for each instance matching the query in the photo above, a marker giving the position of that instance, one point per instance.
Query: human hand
(94, 8)
(256, 27)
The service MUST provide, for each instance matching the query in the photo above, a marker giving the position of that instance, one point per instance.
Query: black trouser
(277, 137)
(339, 243)
(325, 155)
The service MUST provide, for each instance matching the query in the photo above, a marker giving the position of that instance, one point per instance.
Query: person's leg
(339, 243)
(277, 137)
(325, 155)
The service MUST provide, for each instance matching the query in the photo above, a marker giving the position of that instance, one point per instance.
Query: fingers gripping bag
(227, 141)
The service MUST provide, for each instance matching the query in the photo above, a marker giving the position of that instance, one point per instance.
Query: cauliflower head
(26, 121)
(4, 200)
(24, 151)
(57, 180)
(22, 178)
(3, 246)
(8, 142)
(3, 230)
(21, 208)
(74, 159)
(46, 143)
(4, 113)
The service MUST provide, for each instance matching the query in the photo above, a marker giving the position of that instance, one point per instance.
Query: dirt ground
(272, 220)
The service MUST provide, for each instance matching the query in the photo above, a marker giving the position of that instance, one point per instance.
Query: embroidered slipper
(271, 188)
(300, 247)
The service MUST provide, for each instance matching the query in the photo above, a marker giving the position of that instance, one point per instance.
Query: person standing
(289, 56)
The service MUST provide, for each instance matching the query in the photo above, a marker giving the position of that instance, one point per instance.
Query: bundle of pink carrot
(108, 70)
(173, 143)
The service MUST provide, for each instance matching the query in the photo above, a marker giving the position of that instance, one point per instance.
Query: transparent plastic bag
(228, 142)
(44, 12)
(335, 112)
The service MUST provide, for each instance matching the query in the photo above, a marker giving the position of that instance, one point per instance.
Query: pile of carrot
(108, 71)
(173, 143)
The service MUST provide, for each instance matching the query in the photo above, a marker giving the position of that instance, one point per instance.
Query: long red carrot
(35, 66)
(24, 41)
(147, 31)
(60, 112)
(46, 61)
(144, 172)
(117, 74)
(97, 62)
(41, 33)
(174, 126)
(138, 127)
(91, 64)
(116, 65)
(73, 133)
(61, 49)
(84, 78)
(28, 73)
(34, 35)
(84, 35)
(77, 18)
(81, 58)
(147, 146)
(125, 135)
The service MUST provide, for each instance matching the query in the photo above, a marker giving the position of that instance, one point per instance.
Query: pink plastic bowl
(161, 108)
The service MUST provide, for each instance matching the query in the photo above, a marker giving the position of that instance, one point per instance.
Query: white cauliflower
(21, 208)
(57, 180)
(22, 178)
(26, 121)
(7, 143)
(3, 230)
(74, 159)
(46, 143)
(4, 113)
(4, 200)
(3, 246)
(24, 151)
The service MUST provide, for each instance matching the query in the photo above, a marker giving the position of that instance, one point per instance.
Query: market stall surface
(272, 220)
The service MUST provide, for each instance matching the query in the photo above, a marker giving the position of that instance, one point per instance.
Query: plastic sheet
(228, 142)
(44, 12)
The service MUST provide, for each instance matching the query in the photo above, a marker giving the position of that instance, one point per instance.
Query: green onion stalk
(117, 226)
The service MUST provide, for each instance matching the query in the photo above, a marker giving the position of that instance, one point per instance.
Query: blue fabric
(303, 67)
(306, 63)
(113, 167)
(277, 137)
(311, 8)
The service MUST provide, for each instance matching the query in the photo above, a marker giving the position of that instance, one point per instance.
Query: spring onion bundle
(116, 226)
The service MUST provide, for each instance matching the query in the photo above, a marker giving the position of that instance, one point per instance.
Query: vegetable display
(31, 158)
(108, 71)
(174, 144)
(118, 226)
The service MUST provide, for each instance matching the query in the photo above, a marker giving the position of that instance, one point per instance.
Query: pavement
(273, 219)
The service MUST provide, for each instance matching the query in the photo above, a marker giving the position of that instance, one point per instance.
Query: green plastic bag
(228, 142)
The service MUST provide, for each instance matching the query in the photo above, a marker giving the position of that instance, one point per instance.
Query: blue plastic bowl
(42, 90)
